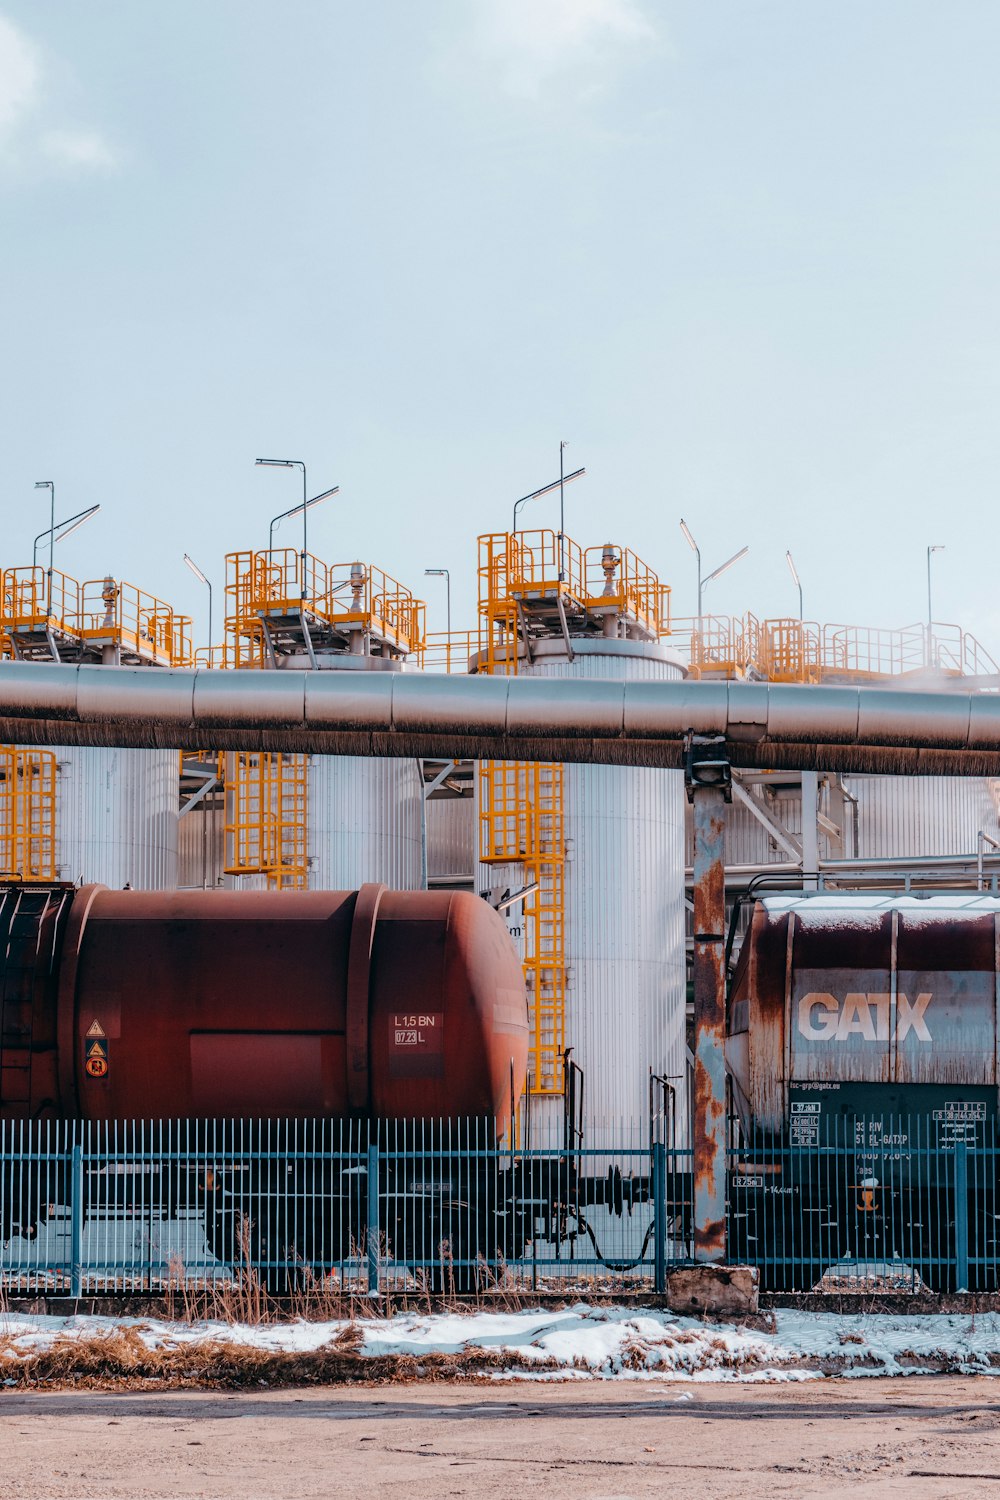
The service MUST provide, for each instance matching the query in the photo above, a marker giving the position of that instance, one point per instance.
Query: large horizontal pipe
(775, 725)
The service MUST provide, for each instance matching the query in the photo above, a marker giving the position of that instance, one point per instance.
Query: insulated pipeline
(639, 723)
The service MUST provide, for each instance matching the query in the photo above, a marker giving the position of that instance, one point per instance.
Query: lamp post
(697, 552)
(930, 611)
(200, 575)
(562, 508)
(277, 520)
(63, 529)
(444, 573)
(546, 489)
(716, 572)
(795, 578)
(47, 484)
(294, 463)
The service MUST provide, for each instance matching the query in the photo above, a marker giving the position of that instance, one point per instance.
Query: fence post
(372, 1236)
(961, 1218)
(76, 1221)
(659, 1217)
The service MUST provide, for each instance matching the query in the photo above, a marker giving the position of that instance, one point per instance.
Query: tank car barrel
(228, 1004)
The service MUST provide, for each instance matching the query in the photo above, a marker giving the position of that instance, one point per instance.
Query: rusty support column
(708, 780)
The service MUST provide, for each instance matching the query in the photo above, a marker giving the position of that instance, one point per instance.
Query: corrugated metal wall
(201, 847)
(365, 822)
(451, 838)
(913, 815)
(116, 817)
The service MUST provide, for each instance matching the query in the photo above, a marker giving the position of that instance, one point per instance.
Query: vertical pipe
(810, 829)
(961, 1217)
(709, 1123)
(372, 1233)
(659, 1218)
(76, 1220)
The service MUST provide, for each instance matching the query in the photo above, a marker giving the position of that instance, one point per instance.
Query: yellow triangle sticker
(95, 1029)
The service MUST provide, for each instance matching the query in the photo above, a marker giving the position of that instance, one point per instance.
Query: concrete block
(720, 1291)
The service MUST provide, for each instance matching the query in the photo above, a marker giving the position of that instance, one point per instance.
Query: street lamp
(47, 484)
(200, 575)
(546, 489)
(444, 573)
(294, 463)
(63, 529)
(930, 612)
(294, 512)
(697, 552)
(717, 572)
(795, 578)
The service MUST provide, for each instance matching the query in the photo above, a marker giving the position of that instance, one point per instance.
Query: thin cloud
(78, 148)
(20, 73)
(532, 45)
(30, 133)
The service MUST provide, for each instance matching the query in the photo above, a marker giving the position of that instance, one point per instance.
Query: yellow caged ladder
(521, 822)
(266, 817)
(27, 814)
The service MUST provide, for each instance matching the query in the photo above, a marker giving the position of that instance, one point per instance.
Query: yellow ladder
(266, 817)
(521, 822)
(27, 814)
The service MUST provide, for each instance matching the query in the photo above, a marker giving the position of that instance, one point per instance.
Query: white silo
(624, 900)
(117, 817)
(364, 822)
(623, 942)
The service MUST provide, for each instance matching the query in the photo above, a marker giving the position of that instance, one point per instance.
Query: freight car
(363, 1011)
(863, 1037)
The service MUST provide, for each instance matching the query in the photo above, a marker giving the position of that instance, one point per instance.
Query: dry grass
(319, 1297)
(121, 1360)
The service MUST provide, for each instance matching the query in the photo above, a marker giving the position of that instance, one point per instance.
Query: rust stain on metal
(709, 1124)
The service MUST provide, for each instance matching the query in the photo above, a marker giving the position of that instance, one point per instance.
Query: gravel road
(917, 1437)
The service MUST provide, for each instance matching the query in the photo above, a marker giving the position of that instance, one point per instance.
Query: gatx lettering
(823, 1018)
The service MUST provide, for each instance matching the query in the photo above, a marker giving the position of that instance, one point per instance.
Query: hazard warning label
(95, 1053)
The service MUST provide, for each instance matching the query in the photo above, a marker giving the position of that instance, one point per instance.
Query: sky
(740, 255)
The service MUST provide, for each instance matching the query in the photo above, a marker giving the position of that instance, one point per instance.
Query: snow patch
(589, 1342)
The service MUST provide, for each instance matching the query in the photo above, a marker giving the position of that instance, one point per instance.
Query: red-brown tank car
(222, 1004)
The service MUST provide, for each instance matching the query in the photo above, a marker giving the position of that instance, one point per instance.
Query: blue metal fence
(877, 1204)
(145, 1206)
(881, 1203)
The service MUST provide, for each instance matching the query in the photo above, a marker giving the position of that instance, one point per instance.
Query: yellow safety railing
(616, 577)
(365, 598)
(450, 653)
(348, 596)
(28, 601)
(95, 614)
(266, 817)
(27, 814)
(790, 650)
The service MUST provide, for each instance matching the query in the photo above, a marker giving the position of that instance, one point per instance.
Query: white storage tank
(117, 817)
(364, 822)
(623, 903)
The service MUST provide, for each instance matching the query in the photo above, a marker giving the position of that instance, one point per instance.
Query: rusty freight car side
(847, 1004)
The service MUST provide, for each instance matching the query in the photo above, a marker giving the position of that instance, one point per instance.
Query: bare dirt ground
(916, 1437)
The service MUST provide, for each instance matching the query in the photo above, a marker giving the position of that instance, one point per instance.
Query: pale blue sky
(742, 254)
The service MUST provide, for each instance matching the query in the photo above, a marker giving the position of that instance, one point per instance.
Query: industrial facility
(523, 944)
